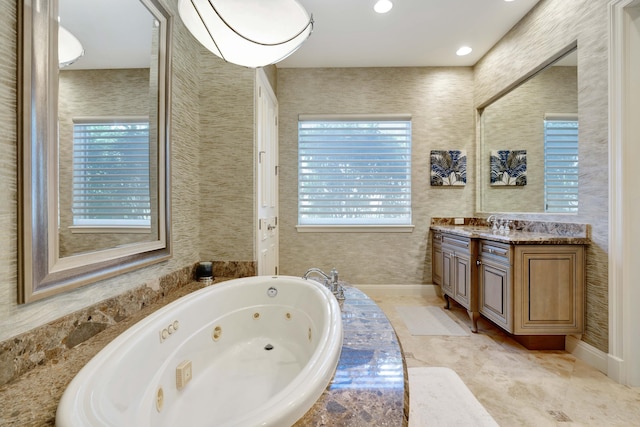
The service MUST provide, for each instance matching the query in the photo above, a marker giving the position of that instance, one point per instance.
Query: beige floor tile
(517, 386)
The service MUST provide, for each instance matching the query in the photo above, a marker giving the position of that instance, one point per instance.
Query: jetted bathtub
(256, 351)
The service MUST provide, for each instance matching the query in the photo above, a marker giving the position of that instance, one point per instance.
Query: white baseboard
(398, 290)
(587, 353)
(615, 368)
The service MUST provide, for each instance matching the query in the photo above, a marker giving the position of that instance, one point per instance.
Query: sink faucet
(493, 222)
(330, 281)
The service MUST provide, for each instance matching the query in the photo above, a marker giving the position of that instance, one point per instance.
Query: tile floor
(517, 386)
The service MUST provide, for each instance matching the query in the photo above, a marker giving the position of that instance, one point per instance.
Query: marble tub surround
(32, 398)
(368, 388)
(234, 268)
(51, 342)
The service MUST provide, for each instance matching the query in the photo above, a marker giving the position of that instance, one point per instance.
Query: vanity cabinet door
(458, 270)
(549, 289)
(448, 274)
(462, 266)
(494, 283)
(495, 293)
(436, 259)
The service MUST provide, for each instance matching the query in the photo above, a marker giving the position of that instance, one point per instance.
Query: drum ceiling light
(251, 33)
(69, 48)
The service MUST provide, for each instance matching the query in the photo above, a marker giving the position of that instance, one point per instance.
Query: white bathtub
(255, 360)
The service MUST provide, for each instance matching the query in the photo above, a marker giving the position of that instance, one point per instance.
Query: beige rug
(438, 397)
(430, 320)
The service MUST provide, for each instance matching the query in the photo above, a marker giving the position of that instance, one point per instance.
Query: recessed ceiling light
(383, 6)
(464, 50)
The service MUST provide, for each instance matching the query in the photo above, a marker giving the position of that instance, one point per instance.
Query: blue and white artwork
(448, 167)
(509, 167)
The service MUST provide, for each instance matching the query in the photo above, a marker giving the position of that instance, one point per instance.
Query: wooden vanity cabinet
(532, 290)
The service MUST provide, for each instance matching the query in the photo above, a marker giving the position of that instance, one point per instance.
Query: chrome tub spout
(331, 281)
(316, 271)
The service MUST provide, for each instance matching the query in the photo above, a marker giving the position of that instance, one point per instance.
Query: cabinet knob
(478, 262)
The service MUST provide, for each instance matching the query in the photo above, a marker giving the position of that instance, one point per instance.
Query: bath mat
(430, 320)
(438, 397)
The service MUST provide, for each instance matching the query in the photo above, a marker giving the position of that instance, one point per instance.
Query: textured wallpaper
(440, 101)
(550, 27)
(8, 160)
(225, 166)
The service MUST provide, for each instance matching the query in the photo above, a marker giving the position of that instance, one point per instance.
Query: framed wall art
(448, 168)
(509, 167)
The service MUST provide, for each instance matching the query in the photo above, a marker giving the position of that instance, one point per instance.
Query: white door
(267, 176)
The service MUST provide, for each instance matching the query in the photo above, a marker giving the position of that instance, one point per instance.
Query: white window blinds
(561, 163)
(111, 172)
(354, 170)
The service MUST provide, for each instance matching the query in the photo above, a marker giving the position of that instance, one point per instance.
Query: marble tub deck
(368, 388)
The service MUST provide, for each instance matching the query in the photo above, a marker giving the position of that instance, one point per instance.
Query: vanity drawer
(457, 242)
(499, 252)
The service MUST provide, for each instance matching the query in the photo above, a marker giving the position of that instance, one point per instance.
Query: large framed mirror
(528, 151)
(93, 137)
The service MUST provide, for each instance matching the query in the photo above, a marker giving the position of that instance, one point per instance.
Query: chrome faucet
(330, 281)
(493, 222)
(316, 271)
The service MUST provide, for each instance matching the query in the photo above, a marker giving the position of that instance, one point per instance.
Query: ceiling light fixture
(251, 33)
(464, 50)
(383, 6)
(69, 48)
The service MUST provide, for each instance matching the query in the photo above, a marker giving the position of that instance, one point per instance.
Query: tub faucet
(336, 287)
(330, 281)
(316, 271)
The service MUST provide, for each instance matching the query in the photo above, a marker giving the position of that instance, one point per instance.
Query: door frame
(624, 197)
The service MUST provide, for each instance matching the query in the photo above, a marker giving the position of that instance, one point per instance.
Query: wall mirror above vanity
(93, 161)
(528, 151)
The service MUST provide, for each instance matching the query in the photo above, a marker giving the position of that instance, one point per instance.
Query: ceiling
(114, 33)
(347, 33)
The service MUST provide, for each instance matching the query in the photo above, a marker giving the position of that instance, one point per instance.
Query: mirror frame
(480, 180)
(41, 272)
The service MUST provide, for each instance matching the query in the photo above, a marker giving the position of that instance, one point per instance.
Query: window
(354, 171)
(561, 163)
(111, 172)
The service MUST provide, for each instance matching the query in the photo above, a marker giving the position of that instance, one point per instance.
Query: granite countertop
(368, 388)
(514, 236)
